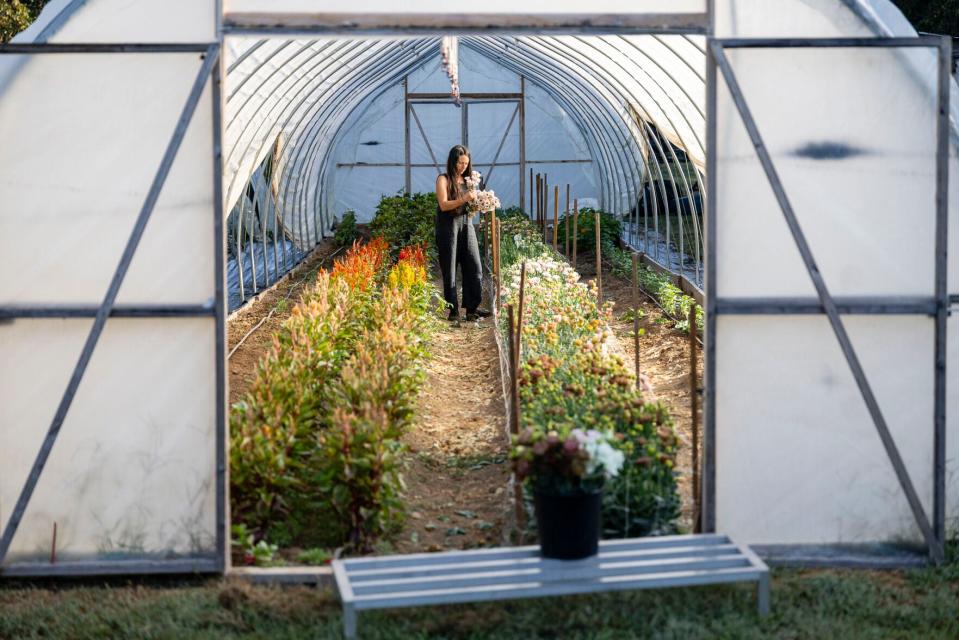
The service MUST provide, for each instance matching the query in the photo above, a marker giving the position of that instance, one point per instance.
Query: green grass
(805, 604)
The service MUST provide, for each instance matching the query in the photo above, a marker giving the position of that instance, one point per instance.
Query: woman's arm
(446, 204)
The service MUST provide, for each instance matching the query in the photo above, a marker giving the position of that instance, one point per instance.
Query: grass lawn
(805, 604)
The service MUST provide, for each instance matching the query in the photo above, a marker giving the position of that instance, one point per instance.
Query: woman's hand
(470, 196)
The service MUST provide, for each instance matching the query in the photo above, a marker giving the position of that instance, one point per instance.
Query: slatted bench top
(520, 572)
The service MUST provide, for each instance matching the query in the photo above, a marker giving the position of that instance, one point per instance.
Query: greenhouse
(792, 169)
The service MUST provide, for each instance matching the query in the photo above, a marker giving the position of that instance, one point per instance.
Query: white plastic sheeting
(132, 475)
(853, 137)
(375, 134)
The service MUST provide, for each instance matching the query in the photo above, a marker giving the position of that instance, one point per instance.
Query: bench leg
(349, 622)
(762, 594)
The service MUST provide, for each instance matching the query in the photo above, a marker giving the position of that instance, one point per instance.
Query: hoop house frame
(210, 72)
(937, 306)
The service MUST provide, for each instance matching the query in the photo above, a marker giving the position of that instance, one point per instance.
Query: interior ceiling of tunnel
(612, 87)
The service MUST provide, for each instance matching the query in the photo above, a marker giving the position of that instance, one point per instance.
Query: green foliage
(405, 219)
(261, 553)
(15, 16)
(676, 303)
(316, 438)
(567, 380)
(610, 230)
(314, 557)
(932, 16)
(345, 233)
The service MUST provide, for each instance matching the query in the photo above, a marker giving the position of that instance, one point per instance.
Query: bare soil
(279, 300)
(457, 469)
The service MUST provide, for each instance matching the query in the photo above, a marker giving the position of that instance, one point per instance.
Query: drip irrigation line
(273, 310)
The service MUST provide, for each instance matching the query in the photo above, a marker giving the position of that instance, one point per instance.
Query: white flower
(602, 455)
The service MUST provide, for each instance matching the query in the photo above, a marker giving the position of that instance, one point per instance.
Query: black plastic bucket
(568, 525)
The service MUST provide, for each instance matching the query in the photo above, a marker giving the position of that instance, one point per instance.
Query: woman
(455, 237)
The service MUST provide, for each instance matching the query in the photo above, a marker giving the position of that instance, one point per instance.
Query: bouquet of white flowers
(485, 200)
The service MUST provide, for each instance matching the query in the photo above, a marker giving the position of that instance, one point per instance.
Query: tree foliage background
(933, 16)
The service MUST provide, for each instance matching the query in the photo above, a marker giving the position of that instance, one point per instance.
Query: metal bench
(520, 572)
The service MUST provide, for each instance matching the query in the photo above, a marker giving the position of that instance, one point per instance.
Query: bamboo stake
(694, 412)
(599, 263)
(636, 315)
(566, 217)
(493, 232)
(555, 217)
(575, 228)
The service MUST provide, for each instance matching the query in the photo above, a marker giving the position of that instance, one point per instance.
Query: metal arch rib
(829, 305)
(106, 307)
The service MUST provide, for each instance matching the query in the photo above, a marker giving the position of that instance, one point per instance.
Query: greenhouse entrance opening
(115, 418)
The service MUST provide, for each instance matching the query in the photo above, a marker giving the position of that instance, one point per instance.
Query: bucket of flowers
(566, 472)
(486, 200)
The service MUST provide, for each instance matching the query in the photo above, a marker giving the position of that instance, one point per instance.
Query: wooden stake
(566, 217)
(599, 263)
(531, 208)
(555, 217)
(694, 412)
(545, 209)
(513, 368)
(518, 346)
(495, 232)
(575, 228)
(53, 545)
(636, 314)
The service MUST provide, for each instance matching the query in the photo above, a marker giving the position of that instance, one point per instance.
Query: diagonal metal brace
(106, 307)
(935, 547)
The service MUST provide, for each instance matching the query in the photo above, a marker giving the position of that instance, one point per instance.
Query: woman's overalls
(456, 244)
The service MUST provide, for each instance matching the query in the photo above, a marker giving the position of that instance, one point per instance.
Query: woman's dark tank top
(456, 213)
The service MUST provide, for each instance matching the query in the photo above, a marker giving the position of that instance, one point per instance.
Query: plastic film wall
(852, 135)
(132, 475)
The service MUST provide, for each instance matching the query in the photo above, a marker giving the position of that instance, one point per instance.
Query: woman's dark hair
(453, 187)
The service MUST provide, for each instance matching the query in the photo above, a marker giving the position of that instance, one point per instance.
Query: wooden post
(496, 248)
(545, 209)
(513, 386)
(539, 180)
(531, 209)
(566, 215)
(517, 353)
(575, 228)
(599, 263)
(636, 315)
(53, 545)
(555, 217)
(694, 412)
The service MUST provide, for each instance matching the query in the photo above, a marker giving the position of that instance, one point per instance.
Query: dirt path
(458, 470)
(664, 358)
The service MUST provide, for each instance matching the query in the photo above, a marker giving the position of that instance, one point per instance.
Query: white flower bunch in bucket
(604, 458)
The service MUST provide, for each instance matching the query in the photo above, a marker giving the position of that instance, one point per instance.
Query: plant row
(670, 297)
(571, 386)
(315, 440)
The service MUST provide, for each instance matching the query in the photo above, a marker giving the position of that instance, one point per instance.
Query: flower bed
(315, 440)
(569, 379)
